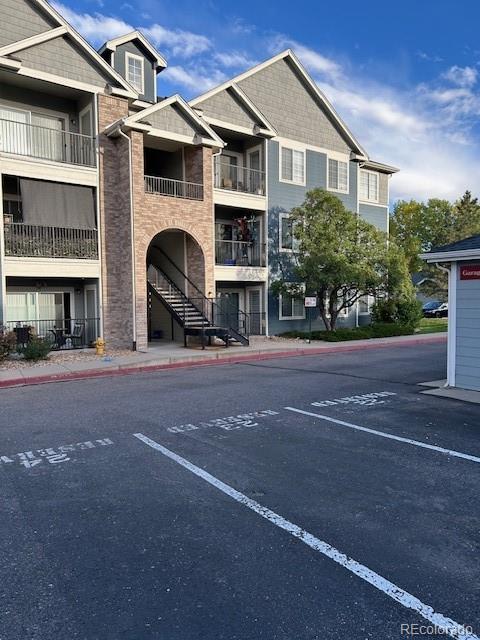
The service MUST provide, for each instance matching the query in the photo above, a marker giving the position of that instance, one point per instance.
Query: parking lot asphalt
(211, 504)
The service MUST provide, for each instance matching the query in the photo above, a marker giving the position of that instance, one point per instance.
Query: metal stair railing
(211, 308)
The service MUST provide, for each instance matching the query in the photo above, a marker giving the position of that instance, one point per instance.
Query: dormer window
(135, 72)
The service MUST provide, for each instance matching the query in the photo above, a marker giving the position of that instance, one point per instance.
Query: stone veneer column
(115, 233)
(155, 213)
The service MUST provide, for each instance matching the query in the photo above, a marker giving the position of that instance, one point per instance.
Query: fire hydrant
(100, 346)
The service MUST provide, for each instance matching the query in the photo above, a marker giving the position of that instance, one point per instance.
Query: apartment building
(139, 218)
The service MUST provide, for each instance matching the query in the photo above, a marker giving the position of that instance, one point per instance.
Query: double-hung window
(288, 242)
(337, 175)
(368, 186)
(364, 305)
(291, 307)
(135, 73)
(292, 165)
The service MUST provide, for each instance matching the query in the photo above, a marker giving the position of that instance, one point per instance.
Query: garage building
(462, 259)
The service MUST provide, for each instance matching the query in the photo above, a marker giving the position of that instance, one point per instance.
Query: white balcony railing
(173, 188)
(234, 178)
(23, 139)
(34, 241)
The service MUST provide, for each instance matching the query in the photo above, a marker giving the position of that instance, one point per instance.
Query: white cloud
(96, 28)
(314, 61)
(234, 59)
(192, 80)
(180, 43)
(462, 76)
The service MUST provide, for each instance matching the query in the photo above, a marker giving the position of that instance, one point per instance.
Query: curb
(124, 370)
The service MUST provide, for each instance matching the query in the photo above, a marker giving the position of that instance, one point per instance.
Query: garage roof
(466, 248)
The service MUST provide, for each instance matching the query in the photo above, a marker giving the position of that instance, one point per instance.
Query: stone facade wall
(115, 230)
(155, 213)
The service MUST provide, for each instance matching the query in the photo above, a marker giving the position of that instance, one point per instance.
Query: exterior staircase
(197, 315)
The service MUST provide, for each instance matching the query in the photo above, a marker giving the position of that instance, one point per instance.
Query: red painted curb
(128, 370)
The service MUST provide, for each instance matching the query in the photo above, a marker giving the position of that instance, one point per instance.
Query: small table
(58, 335)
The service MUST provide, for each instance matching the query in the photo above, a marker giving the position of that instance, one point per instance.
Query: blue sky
(404, 75)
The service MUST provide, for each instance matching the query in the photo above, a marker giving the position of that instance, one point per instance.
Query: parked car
(438, 311)
(430, 306)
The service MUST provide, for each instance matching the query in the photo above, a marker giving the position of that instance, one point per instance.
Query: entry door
(91, 314)
(254, 310)
(230, 304)
(254, 164)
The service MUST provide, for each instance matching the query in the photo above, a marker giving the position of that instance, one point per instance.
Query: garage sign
(470, 272)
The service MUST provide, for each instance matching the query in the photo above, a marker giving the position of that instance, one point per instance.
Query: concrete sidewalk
(174, 356)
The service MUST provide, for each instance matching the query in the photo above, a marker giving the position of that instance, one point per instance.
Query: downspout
(451, 325)
(118, 130)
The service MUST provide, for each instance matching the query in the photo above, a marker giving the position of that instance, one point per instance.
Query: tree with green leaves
(339, 257)
(417, 227)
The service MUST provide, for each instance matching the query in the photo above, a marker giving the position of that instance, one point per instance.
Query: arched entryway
(175, 266)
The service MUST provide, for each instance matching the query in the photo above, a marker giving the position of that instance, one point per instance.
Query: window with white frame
(368, 186)
(337, 175)
(292, 165)
(135, 75)
(365, 305)
(291, 307)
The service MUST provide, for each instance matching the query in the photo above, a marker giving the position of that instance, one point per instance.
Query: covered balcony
(229, 174)
(238, 238)
(166, 173)
(48, 220)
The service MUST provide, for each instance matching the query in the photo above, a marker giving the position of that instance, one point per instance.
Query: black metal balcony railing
(71, 333)
(28, 240)
(235, 178)
(21, 138)
(239, 253)
(173, 188)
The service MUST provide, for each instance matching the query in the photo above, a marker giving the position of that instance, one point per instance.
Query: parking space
(211, 503)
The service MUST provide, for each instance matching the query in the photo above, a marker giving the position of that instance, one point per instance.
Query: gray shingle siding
(376, 215)
(467, 375)
(282, 197)
(225, 106)
(21, 20)
(63, 58)
(172, 119)
(150, 82)
(286, 102)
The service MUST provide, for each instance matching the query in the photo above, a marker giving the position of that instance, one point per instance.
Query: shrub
(36, 349)
(8, 341)
(389, 329)
(406, 312)
(376, 330)
(360, 333)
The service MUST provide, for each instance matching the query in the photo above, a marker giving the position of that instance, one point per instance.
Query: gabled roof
(466, 248)
(65, 29)
(210, 138)
(112, 45)
(318, 94)
(264, 128)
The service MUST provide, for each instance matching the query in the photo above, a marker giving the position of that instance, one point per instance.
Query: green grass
(432, 325)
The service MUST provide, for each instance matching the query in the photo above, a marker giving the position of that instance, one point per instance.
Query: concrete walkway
(167, 356)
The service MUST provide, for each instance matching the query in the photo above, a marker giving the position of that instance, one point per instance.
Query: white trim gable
(45, 36)
(288, 53)
(134, 121)
(112, 45)
(69, 31)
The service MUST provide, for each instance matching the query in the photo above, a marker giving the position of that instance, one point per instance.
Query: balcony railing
(239, 253)
(235, 178)
(61, 333)
(173, 188)
(23, 139)
(29, 240)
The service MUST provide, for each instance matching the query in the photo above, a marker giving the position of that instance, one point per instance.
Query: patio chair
(76, 336)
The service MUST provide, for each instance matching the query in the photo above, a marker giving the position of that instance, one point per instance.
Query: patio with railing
(29, 240)
(173, 188)
(63, 334)
(239, 253)
(24, 139)
(235, 178)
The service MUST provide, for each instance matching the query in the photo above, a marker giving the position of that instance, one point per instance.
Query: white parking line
(416, 443)
(447, 625)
